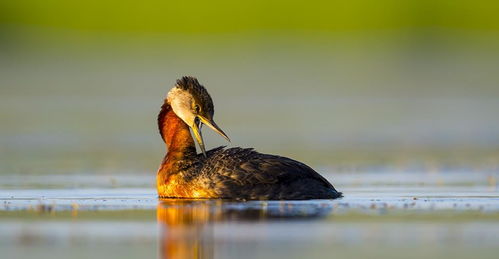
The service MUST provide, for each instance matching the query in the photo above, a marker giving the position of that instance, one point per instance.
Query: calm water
(389, 214)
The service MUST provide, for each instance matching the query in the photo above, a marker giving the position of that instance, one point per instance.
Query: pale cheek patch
(180, 101)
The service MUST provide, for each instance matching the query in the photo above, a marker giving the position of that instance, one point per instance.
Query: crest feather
(192, 85)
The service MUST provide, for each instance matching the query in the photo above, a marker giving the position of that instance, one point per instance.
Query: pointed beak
(196, 129)
(213, 126)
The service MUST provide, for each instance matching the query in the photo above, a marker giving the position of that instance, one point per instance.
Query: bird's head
(191, 102)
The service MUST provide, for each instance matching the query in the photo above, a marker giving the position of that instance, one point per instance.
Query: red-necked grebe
(220, 173)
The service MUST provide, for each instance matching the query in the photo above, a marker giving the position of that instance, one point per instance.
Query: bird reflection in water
(187, 226)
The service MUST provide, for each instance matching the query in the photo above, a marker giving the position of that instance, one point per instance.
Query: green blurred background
(346, 85)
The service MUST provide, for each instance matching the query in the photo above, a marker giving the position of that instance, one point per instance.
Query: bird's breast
(177, 186)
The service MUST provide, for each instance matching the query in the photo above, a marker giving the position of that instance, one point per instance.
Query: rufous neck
(175, 132)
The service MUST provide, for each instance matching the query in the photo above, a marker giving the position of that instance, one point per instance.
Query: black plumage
(244, 174)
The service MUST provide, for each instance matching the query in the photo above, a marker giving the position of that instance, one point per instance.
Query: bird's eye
(197, 109)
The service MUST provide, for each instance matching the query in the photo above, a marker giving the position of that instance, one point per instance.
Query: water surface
(389, 214)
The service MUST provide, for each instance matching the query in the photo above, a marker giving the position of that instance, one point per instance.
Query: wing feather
(239, 172)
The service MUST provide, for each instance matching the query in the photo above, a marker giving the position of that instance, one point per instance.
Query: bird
(223, 173)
